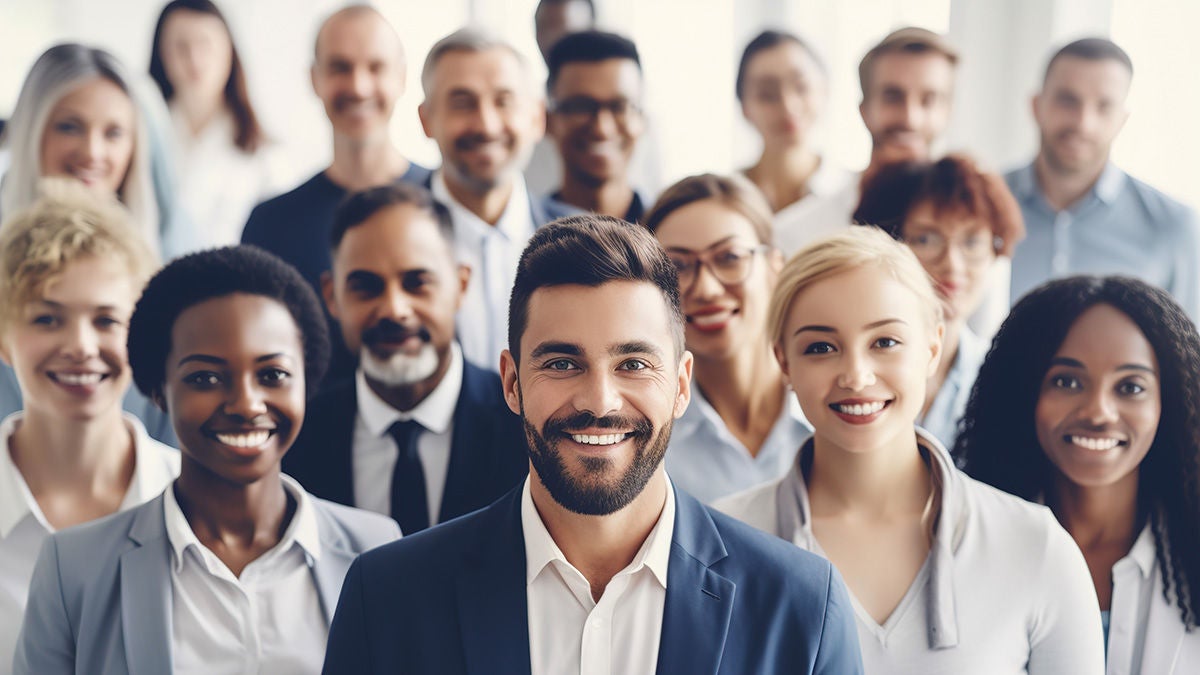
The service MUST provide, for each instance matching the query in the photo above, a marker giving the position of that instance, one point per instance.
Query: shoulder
(1027, 531)
(290, 202)
(90, 545)
(759, 562)
(363, 530)
(418, 175)
(555, 209)
(757, 507)
(438, 551)
(1165, 212)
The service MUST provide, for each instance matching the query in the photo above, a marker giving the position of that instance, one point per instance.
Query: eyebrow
(831, 329)
(1072, 363)
(218, 361)
(621, 349)
(556, 348)
(635, 347)
(58, 305)
(680, 249)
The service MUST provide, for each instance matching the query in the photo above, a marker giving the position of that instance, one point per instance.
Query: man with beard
(481, 110)
(419, 433)
(1083, 215)
(595, 563)
(358, 72)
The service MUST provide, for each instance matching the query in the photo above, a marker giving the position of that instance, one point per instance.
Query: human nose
(705, 283)
(95, 147)
(245, 398)
(397, 305)
(598, 394)
(488, 119)
(1100, 408)
(82, 341)
(361, 82)
(857, 373)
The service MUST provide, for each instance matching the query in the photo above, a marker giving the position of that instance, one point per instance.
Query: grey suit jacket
(100, 598)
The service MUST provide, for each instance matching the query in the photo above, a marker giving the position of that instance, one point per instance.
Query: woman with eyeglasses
(958, 220)
(741, 428)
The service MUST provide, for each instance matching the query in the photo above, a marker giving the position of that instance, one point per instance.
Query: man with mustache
(481, 109)
(595, 563)
(358, 72)
(1084, 215)
(419, 433)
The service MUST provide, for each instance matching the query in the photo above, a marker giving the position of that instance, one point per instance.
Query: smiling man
(595, 563)
(419, 433)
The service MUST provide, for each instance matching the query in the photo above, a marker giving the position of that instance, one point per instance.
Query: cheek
(1048, 414)
(55, 149)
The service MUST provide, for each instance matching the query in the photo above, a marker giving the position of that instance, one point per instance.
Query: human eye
(107, 322)
(560, 365)
(363, 286)
(886, 343)
(202, 379)
(45, 320)
(274, 376)
(819, 348)
(634, 365)
(68, 126)
(114, 133)
(1130, 388)
(731, 257)
(1065, 381)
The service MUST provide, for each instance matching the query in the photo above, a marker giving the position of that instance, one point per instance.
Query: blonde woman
(947, 575)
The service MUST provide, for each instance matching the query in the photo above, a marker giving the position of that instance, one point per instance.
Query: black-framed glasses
(731, 265)
(580, 109)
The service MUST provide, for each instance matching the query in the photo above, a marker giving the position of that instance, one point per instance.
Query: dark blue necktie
(409, 505)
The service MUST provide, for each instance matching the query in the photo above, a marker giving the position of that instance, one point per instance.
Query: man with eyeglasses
(595, 120)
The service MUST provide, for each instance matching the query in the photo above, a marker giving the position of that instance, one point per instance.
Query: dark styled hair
(590, 4)
(591, 250)
(998, 436)
(1091, 49)
(734, 194)
(910, 40)
(359, 206)
(247, 135)
(953, 185)
(214, 273)
(764, 41)
(589, 46)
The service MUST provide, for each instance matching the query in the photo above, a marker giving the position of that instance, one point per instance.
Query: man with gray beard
(419, 433)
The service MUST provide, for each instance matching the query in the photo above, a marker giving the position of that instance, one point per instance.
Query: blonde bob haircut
(856, 247)
(66, 223)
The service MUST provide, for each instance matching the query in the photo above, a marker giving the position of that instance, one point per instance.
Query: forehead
(97, 96)
(480, 72)
(595, 318)
(610, 78)
(786, 59)
(397, 237)
(183, 23)
(1101, 76)
(875, 294)
(1103, 337)
(235, 327)
(701, 224)
(926, 216)
(922, 71)
(91, 280)
(357, 36)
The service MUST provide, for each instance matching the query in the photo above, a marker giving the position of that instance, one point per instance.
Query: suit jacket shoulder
(356, 529)
(320, 457)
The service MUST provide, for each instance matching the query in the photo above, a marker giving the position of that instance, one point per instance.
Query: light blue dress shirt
(951, 400)
(708, 462)
(1121, 226)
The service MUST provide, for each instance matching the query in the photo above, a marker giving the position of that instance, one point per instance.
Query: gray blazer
(100, 598)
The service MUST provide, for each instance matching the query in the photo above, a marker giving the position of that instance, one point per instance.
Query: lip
(606, 440)
(246, 445)
(856, 419)
(1092, 442)
(70, 380)
(711, 319)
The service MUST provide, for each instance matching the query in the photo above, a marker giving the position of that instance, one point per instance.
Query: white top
(1146, 634)
(492, 252)
(23, 527)
(824, 211)
(571, 633)
(269, 620)
(1004, 586)
(375, 451)
(219, 182)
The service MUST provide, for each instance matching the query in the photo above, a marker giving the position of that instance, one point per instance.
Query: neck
(601, 546)
(95, 454)
(1062, 189)
(198, 112)
(878, 484)
(608, 198)
(488, 204)
(407, 397)
(744, 388)
(360, 164)
(783, 173)
(1097, 516)
(950, 342)
(235, 514)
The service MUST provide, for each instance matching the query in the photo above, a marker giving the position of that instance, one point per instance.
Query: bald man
(358, 72)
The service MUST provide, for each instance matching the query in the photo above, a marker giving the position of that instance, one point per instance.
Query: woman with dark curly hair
(234, 568)
(1090, 402)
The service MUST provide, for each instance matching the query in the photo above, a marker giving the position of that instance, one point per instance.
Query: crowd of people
(526, 413)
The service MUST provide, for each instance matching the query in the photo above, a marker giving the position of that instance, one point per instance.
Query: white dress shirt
(23, 527)
(269, 620)
(569, 632)
(1004, 589)
(824, 211)
(375, 451)
(492, 252)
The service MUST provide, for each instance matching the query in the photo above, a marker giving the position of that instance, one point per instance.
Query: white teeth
(710, 319)
(860, 408)
(1095, 443)
(605, 439)
(251, 439)
(79, 379)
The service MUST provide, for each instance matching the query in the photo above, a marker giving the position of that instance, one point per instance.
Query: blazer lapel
(699, 601)
(492, 604)
(146, 593)
(330, 570)
(468, 440)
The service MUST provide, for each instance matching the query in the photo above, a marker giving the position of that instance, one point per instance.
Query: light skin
(235, 392)
(197, 56)
(483, 114)
(395, 287)
(67, 348)
(907, 104)
(1079, 113)
(784, 96)
(1096, 418)
(597, 149)
(859, 371)
(573, 360)
(734, 367)
(358, 73)
(89, 135)
(553, 20)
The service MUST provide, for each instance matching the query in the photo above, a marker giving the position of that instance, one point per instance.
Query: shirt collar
(515, 223)
(1143, 552)
(16, 501)
(1109, 184)
(435, 412)
(541, 551)
(700, 413)
(1107, 188)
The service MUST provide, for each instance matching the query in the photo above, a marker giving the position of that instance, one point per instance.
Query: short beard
(595, 497)
(400, 369)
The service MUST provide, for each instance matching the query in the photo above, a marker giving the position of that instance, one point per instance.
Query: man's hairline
(929, 51)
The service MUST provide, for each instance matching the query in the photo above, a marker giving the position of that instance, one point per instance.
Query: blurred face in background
(784, 94)
(90, 134)
(907, 103)
(197, 54)
(1080, 111)
(597, 118)
(358, 74)
(553, 20)
(957, 250)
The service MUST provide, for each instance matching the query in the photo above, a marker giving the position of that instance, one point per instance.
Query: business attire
(457, 599)
(950, 402)
(827, 209)
(1121, 226)
(1003, 590)
(492, 252)
(708, 462)
(136, 593)
(471, 448)
(634, 214)
(1146, 634)
(24, 529)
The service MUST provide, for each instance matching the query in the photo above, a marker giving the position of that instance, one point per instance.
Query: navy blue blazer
(488, 455)
(452, 600)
